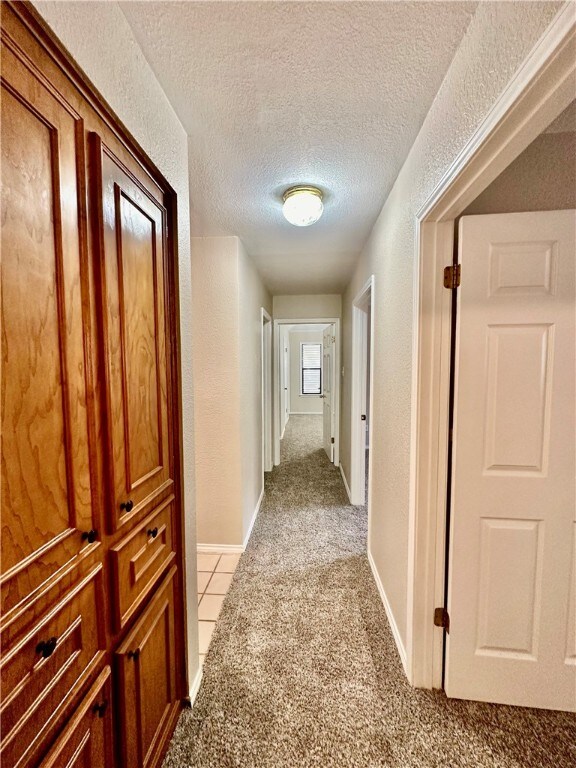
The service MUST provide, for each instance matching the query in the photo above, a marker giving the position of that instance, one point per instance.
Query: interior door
(286, 382)
(46, 486)
(136, 349)
(327, 387)
(512, 574)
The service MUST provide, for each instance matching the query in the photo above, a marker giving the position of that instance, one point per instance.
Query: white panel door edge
(512, 562)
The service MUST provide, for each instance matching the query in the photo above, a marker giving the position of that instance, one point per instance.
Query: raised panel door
(511, 573)
(46, 501)
(148, 696)
(132, 238)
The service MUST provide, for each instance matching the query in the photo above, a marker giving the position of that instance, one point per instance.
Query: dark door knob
(100, 709)
(127, 505)
(152, 532)
(46, 647)
(90, 536)
(134, 654)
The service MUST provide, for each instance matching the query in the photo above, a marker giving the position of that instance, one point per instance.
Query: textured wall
(307, 307)
(217, 389)
(252, 297)
(499, 38)
(542, 178)
(114, 62)
(301, 403)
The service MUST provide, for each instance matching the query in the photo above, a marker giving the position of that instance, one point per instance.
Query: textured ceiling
(278, 93)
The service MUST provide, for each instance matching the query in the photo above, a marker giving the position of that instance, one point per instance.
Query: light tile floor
(215, 572)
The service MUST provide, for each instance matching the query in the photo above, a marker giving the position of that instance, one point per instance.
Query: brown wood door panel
(147, 671)
(43, 670)
(46, 486)
(87, 740)
(132, 243)
(140, 559)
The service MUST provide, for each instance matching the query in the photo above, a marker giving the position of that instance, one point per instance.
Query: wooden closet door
(46, 485)
(147, 680)
(132, 239)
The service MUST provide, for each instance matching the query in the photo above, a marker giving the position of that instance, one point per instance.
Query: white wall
(499, 38)
(302, 403)
(216, 360)
(228, 296)
(253, 296)
(139, 101)
(542, 178)
(303, 307)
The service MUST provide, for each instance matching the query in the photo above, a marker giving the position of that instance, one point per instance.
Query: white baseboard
(254, 516)
(389, 614)
(306, 413)
(212, 549)
(345, 484)
(195, 687)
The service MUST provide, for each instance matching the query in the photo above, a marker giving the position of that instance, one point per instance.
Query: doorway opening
(307, 358)
(361, 417)
(542, 91)
(266, 357)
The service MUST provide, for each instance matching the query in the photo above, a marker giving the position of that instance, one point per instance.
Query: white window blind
(311, 365)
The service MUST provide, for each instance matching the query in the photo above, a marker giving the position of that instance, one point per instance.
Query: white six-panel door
(512, 565)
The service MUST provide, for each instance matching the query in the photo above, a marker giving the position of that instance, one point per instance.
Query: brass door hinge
(442, 618)
(452, 276)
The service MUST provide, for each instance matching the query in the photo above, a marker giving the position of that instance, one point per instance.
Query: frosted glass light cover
(302, 207)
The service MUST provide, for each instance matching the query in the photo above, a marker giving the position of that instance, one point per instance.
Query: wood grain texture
(46, 484)
(140, 559)
(132, 261)
(147, 679)
(38, 690)
(87, 740)
(56, 418)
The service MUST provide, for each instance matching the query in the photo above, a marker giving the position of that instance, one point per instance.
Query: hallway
(303, 671)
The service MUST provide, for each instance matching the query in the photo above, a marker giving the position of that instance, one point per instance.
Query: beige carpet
(303, 670)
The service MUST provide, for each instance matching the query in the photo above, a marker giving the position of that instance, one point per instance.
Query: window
(311, 369)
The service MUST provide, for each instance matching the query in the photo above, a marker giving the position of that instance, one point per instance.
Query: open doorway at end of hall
(307, 354)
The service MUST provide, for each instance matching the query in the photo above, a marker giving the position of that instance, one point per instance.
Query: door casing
(541, 89)
(278, 324)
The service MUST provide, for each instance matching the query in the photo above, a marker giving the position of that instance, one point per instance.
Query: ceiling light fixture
(302, 205)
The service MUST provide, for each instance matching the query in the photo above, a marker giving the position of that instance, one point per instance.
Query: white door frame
(541, 89)
(359, 372)
(266, 358)
(278, 380)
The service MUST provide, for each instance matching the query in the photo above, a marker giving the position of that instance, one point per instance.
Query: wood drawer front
(140, 559)
(147, 669)
(87, 740)
(37, 689)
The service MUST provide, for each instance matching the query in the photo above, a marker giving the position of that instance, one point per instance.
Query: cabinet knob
(127, 505)
(134, 654)
(153, 532)
(46, 647)
(90, 536)
(100, 709)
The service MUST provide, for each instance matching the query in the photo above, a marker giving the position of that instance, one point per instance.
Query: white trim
(389, 615)
(277, 383)
(345, 483)
(541, 89)
(217, 549)
(306, 413)
(254, 516)
(284, 430)
(359, 372)
(195, 687)
(266, 416)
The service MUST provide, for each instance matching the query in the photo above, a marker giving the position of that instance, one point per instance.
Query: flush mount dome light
(302, 206)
